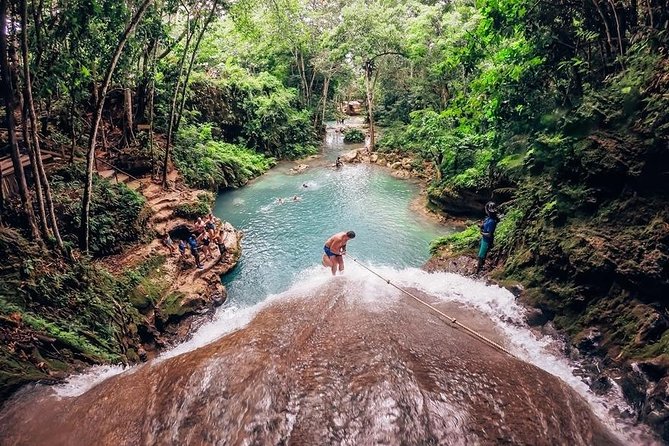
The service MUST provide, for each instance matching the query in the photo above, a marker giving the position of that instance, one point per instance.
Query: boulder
(351, 156)
(535, 317)
(652, 328)
(299, 168)
(374, 158)
(588, 340)
(460, 203)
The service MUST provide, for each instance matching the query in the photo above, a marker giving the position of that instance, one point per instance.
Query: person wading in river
(487, 233)
(335, 248)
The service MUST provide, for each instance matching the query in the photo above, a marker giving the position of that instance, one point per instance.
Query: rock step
(134, 184)
(106, 173)
(162, 199)
(162, 217)
(164, 206)
(113, 176)
(122, 178)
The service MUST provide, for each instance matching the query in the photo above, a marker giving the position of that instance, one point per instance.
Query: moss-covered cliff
(587, 227)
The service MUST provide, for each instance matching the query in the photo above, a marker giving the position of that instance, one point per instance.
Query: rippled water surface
(283, 240)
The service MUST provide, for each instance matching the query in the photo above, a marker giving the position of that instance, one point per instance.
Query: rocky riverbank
(643, 377)
(585, 290)
(65, 315)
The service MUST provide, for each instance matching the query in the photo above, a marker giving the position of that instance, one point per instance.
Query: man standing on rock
(192, 243)
(487, 233)
(335, 249)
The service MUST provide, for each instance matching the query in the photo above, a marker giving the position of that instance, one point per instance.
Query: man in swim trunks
(335, 248)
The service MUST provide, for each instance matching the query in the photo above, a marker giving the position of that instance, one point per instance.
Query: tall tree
(8, 93)
(40, 176)
(90, 155)
(176, 113)
(175, 95)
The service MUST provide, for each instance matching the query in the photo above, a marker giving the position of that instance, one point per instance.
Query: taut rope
(452, 320)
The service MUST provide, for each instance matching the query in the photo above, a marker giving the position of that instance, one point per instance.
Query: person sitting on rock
(167, 241)
(338, 163)
(487, 233)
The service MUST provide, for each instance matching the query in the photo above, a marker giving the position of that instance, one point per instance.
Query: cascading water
(297, 356)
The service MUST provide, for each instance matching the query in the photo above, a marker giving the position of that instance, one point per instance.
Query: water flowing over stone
(328, 366)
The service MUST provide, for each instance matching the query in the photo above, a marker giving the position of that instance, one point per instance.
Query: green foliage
(212, 164)
(118, 216)
(354, 136)
(507, 228)
(458, 242)
(256, 111)
(75, 303)
(146, 284)
(192, 211)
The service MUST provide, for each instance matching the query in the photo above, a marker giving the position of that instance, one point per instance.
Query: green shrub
(506, 229)
(75, 303)
(354, 136)
(393, 139)
(208, 163)
(459, 241)
(192, 211)
(254, 110)
(117, 214)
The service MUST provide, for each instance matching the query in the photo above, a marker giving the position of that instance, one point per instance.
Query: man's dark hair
(350, 234)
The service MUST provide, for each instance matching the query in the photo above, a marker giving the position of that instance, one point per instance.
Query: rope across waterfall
(452, 320)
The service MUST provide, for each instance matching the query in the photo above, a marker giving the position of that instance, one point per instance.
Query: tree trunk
(90, 155)
(621, 47)
(128, 123)
(73, 136)
(606, 26)
(184, 86)
(39, 196)
(326, 89)
(152, 96)
(10, 106)
(170, 122)
(370, 105)
(2, 197)
(40, 174)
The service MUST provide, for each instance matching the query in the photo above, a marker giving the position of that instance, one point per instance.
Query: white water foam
(501, 307)
(495, 302)
(228, 319)
(79, 384)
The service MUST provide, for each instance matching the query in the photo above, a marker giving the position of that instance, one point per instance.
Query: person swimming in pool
(335, 249)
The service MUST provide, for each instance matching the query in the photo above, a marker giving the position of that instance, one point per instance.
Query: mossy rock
(176, 306)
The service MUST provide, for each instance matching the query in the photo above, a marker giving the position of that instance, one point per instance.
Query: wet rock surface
(322, 368)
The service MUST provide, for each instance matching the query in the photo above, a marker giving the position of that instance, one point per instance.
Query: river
(297, 356)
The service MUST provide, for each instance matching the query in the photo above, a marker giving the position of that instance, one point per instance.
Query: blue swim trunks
(330, 253)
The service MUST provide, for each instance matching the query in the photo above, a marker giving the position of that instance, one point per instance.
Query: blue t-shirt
(489, 226)
(192, 242)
